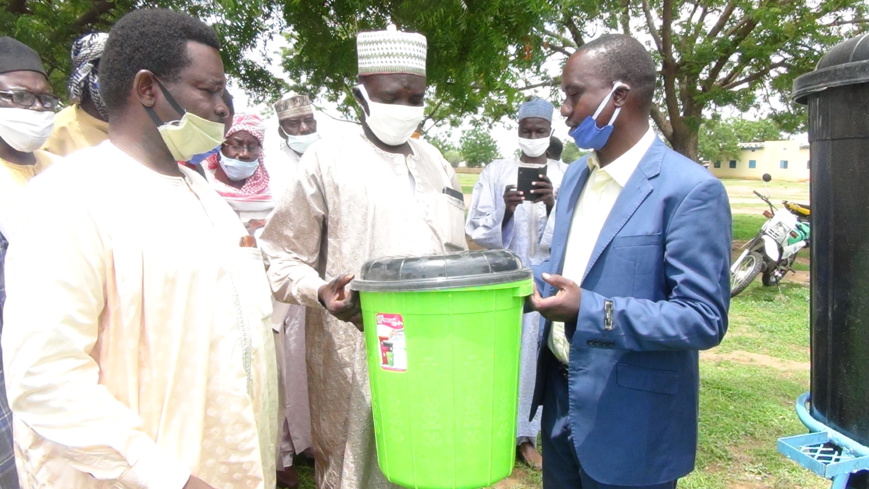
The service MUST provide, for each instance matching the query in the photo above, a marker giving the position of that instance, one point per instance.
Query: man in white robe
(297, 130)
(137, 339)
(357, 197)
(501, 217)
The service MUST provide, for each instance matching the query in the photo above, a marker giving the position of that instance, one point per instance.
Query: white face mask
(392, 124)
(236, 169)
(300, 143)
(534, 147)
(24, 129)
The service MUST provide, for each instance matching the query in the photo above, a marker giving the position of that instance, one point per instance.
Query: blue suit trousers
(561, 467)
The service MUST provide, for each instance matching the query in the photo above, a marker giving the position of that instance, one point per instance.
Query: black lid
(846, 64)
(434, 272)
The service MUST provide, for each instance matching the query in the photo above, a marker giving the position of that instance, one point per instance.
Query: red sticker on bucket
(390, 335)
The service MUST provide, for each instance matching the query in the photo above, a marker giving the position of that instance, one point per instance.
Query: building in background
(783, 160)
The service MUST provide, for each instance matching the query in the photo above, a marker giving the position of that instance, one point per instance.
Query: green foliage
(454, 156)
(51, 27)
(751, 131)
(442, 144)
(475, 49)
(742, 54)
(746, 226)
(719, 139)
(483, 57)
(571, 153)
(478, 147)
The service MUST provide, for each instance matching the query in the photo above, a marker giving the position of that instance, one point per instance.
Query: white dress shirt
(595, 203)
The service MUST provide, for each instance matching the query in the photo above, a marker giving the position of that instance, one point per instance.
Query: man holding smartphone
(510, 209)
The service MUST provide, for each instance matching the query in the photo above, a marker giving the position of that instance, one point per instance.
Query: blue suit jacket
(661, 267)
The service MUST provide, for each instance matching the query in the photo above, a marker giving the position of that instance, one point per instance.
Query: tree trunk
(684, 141)
(685, 129)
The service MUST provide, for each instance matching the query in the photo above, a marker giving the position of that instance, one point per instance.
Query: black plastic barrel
(837, 95)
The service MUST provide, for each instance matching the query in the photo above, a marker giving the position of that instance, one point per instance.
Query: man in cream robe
(85, 122)
(137, 338)
(358, 197)
(296, 131)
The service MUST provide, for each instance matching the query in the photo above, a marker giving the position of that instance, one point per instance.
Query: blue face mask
(587, 135)
(237, 170)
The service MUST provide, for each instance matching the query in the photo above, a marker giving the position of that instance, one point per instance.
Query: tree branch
(625, 17)
(560, 49)
(663, 124)
(573, 29)
(564, 40)
(747, 25)
(548, 83)
(723, 19)
(667, 30)
(840, 23)
(735, 72)
(690, 40)
(650, 21)
(754, 76)
(18, 7)
(92, 16)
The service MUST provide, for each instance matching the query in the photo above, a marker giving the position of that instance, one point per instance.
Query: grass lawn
(467, 181)
(746, 226)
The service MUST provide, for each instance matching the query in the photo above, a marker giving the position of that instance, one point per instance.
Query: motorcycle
(772, 252)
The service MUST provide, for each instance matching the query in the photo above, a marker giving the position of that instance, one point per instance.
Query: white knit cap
(391, 51)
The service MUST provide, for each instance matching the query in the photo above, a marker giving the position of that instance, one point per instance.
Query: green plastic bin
(443, 337)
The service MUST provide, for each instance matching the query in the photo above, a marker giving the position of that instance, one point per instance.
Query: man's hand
(512, 198)
(564, 305)
(196, 483)
(543, 192)
(340, 302)
(254, 224)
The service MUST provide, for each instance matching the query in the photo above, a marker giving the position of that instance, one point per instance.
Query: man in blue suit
(637, 283)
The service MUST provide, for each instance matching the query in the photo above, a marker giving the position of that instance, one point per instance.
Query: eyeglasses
(26, 99)
(238, 148)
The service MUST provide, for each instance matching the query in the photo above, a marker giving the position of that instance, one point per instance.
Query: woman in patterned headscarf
(237, 172)
(84, 123)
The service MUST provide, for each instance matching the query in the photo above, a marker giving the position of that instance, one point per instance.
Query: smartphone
(527, 175)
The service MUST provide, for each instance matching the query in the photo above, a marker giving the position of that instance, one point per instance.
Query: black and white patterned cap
(85, 51)
(391, 51)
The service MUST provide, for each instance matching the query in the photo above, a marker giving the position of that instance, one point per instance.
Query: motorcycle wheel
(746, 271)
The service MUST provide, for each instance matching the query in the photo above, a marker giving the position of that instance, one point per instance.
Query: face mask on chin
(587, 135)
(24, 129)
(534, 147)
(189, 136)
(236, 169)
(300, 143)
(393, 124)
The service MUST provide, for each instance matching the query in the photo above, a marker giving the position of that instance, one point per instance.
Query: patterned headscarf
(84, 80)
(257, 185)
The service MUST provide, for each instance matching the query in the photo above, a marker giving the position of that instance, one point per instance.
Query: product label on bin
(390, 335)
